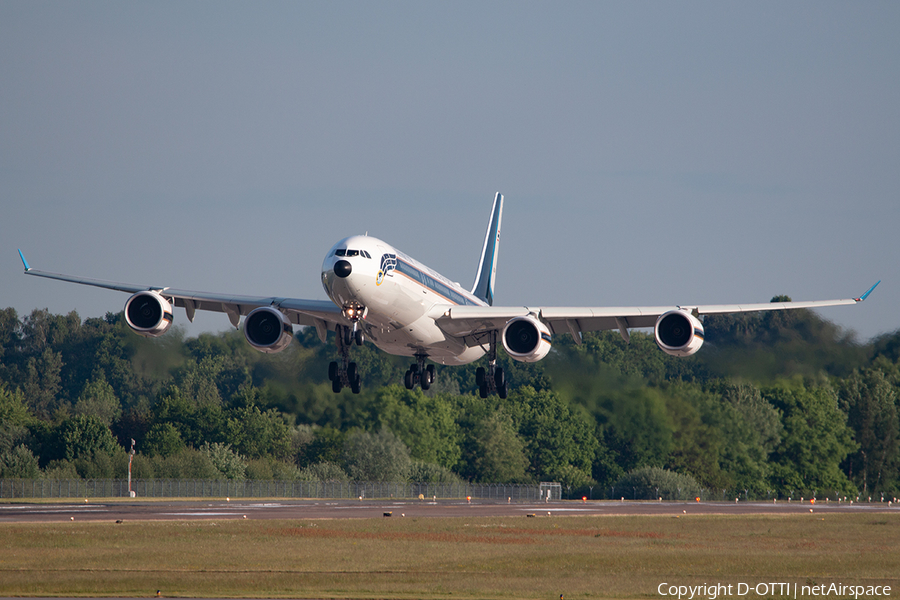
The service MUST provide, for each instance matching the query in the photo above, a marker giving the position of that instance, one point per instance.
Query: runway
(169, 510)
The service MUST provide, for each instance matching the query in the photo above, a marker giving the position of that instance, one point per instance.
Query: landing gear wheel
(491, 380)
(343, 373)
(427, 377)
(358, 337)
(499, 378)
(408, 380)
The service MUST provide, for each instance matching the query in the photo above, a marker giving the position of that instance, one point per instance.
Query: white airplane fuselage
(399, 297)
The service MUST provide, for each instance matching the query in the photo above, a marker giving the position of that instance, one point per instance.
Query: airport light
(130, 458)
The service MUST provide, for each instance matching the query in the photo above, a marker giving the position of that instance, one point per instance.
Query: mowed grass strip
(581, 557)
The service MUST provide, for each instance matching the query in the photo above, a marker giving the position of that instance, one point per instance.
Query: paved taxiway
(137, 510)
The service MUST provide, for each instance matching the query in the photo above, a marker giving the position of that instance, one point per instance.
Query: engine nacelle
(268, 329)
(148, 314)
(679, 333)
(526, 339)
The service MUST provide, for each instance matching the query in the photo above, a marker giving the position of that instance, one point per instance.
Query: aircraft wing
(317, 313)
(472, 320)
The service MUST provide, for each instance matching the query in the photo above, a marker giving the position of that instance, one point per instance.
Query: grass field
(580, 557)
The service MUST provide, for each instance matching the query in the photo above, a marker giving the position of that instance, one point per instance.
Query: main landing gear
(419, 374)
(491, 380)
(345, 373)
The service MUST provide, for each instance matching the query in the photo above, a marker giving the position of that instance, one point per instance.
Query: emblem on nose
(342, 268)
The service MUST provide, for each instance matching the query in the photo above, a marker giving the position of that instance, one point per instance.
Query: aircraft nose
(342, 268)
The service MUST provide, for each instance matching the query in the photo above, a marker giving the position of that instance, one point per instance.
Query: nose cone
(342, 268)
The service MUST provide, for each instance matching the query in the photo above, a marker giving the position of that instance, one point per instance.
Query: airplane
(404, 308)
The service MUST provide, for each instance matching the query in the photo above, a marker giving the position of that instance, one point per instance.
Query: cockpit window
(346, 252)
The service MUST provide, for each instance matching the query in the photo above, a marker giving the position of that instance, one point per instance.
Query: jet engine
(268, 329)
(526, 339)
(148, 314)
(679, 333)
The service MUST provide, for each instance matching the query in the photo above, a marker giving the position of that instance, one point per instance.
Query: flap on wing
(562, 320)
(300, 312)
(467, 320)
(460, 321)
(719, 309)
(312, 312)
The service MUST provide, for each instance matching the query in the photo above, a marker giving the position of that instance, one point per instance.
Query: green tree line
(773, 403)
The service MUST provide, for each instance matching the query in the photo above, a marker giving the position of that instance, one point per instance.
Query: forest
(774, 404)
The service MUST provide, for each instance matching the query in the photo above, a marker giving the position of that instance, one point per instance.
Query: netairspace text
(788, 590)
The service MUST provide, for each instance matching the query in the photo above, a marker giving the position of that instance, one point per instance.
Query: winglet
(866, 295)
(24, 262)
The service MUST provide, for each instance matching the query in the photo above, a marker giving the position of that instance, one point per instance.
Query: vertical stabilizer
(487, 267)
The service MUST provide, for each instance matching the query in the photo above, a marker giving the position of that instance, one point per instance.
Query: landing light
(354, 312)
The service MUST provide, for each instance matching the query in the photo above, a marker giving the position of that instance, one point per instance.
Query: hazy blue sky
(650, 153)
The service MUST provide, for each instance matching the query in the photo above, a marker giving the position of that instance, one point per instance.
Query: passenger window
(407, 270)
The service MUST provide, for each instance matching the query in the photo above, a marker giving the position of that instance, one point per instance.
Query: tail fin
(487, 267)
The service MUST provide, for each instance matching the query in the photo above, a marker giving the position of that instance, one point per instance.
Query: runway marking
(561, 509)
(201, 514)
(66, 510)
